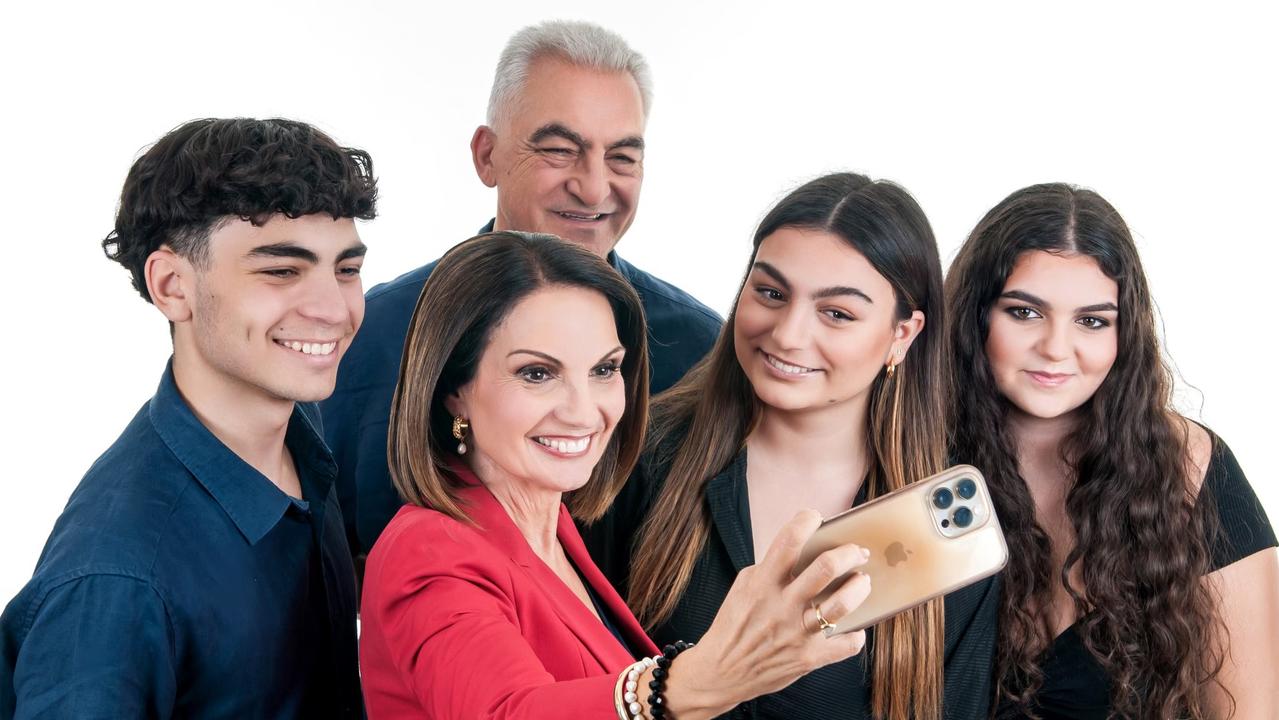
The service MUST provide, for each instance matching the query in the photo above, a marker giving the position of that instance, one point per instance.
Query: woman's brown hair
(702, 424)
(470, 292)
(1142, 539)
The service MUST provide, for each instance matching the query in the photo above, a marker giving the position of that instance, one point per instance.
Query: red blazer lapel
(488, 513)
(622, 615)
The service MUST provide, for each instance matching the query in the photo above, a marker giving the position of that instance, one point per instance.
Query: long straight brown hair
(703, 422)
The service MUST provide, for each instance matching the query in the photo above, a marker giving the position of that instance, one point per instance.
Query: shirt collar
(252, 501)
(616, 262)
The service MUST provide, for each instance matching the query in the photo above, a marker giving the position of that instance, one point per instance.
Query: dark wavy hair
(206, 171)
(470, 293)
(706, 418)
(1142, 539)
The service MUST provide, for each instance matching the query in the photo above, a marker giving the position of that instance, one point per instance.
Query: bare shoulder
(1198, 450)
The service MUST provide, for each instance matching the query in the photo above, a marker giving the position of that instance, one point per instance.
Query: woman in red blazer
(521, 405)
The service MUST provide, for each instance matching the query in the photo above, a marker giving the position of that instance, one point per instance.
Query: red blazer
(467, 622)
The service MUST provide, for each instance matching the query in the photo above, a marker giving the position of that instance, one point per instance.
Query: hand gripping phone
(927, 539)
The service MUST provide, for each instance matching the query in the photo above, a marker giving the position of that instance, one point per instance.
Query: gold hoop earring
(460, 426)
(892, 368)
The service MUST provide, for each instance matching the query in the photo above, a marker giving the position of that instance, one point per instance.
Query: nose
(578, 407)
(589, 181)
(1054, 343)
(324, 300)
(792, 328)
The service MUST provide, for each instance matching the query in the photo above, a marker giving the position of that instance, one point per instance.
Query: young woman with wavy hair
(1114, 506)
(823, 391)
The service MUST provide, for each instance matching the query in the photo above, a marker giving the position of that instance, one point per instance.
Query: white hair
(579, 43)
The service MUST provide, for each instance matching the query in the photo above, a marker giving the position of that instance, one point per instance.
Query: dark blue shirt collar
(252, 501)
(618, 264)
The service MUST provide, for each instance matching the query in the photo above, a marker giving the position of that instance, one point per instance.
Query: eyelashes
(1022, 313)
(539, 374)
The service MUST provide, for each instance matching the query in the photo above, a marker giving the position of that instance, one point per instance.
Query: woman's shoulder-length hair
(469, 293)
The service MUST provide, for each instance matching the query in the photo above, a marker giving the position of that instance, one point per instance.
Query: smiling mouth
(581, 217)
(1048, 379)
(565, 446)
(785, 367)
(309, 348)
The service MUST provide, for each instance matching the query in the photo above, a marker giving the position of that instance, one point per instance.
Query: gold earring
(892, 368)
(460, 426)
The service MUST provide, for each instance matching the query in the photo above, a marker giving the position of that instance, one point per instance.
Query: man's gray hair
(579, 43)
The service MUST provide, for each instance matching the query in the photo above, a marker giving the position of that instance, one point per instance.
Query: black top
(1076, 686)
(680, 331)
(606, 617)
(180, 582)
(837, 691)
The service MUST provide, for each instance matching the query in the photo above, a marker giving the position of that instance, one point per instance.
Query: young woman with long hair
(824, 390)
(1115, 507)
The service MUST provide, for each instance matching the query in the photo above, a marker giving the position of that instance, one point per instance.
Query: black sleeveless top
(1075, 684)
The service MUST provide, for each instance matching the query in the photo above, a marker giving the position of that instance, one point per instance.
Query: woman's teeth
(786, 367)
(565, 447)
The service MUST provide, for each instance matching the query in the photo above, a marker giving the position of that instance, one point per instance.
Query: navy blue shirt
(180, 582)
(681, 331)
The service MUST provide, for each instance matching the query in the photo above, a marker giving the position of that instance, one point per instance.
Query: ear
(456, 405)
(170, 283)
(904, 333)
(482, 144)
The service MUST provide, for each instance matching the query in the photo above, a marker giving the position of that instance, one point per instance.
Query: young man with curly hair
(200, 569)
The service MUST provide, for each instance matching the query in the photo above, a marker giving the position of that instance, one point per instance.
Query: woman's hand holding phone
(768, 632)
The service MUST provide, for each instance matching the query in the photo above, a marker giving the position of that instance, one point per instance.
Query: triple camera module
(957, 506)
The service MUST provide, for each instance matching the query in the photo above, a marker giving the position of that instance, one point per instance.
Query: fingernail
(865, 553)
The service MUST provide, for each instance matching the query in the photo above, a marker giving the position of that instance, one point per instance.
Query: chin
(310, 392)
(780, 398)
(1037, 408)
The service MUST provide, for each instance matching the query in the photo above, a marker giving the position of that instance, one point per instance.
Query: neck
(536, 512)
(1042, 465)
(247, 421)
(1039, 438)
(830, 442)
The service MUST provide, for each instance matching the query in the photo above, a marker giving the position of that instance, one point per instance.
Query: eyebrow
(559, 130)
(357, 250)
(635, 142)
(294, 251)
(827, 292)
(555, 361)
(1035, 300)
(555, 129)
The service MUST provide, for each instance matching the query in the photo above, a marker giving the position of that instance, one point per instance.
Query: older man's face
(568, 156)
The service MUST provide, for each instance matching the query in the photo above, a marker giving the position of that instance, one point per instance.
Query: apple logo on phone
(896, 553)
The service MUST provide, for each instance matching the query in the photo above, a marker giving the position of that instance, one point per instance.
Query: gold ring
(827, 627)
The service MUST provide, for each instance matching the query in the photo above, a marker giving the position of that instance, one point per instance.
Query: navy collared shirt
(681, 331)
(180, 582)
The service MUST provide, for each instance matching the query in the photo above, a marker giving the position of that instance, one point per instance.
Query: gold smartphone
(927, 539)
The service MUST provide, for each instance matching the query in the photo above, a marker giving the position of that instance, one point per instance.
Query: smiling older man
(564, 146)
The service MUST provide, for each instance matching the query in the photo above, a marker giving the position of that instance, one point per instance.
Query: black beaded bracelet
(657, 701)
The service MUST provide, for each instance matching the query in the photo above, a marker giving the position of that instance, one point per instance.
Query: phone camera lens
(942, 498)
(963, 517)
(966, 488)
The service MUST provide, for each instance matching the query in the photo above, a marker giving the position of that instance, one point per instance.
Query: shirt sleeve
(1242, 527)
(448, 628)
(100, 646)
(972, 620)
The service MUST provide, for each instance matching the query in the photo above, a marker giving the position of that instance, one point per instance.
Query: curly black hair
(207, 171)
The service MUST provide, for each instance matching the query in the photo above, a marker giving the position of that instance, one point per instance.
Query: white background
(1169, 113)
